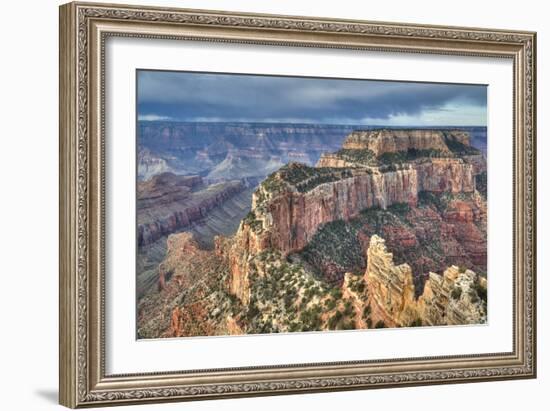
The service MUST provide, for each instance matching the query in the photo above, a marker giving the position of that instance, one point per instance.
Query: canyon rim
(271, 204)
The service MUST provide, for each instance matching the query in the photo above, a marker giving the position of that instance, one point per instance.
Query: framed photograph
(259, 204)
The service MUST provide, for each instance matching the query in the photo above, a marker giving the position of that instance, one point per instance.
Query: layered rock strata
(290, 218)
(382, 141)
(169, 202)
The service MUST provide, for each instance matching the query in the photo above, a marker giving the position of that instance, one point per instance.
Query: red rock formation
(292, 218)
(288, 209)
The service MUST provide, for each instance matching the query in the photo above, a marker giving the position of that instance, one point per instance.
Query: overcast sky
(183, 96)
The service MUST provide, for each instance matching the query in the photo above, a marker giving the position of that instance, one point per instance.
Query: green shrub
(330, 304)
(335, 320)
(416, 323)
(336, 293)
(348, 308)
(481, 291)
(380, 324)
(367, 311)
(456, 293)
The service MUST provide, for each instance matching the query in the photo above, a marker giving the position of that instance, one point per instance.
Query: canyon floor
(386, 230)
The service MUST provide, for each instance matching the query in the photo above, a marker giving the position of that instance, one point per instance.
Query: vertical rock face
(392, 141)
(445, 175)
(292, 218)
(237, 253)
(451, 299)
(391, 287)
(288, 219)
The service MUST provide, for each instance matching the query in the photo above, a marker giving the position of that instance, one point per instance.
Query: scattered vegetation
(460, 149)
(250, 219)
(441, 201)
(358, 285)
(481, 183)
(363, 157)
(411, 154)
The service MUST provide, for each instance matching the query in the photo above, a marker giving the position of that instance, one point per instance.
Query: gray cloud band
(227, 97)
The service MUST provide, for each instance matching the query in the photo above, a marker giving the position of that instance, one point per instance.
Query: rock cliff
(169, 202)
(287, 219)
(149, 164)
(382, 141)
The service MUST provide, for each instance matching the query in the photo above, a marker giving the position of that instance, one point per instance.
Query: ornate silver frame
(83, 30)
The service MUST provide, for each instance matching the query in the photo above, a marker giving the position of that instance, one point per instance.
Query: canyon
(388, 229)
(169, 202)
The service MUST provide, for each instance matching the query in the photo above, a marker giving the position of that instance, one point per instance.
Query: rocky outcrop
(168, 202)
(189, 279)
(382, 141)
(292, 218)
(237, 253)
(181, 248)
(391, 287)
(458, 291)
(449, 299)
(149, 164)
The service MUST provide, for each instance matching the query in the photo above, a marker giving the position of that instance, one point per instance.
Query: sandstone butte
(293, 203)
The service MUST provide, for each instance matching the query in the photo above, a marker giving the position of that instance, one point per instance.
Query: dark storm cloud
(217, 97)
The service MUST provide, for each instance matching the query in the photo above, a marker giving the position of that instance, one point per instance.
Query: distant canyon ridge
(224, 151)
